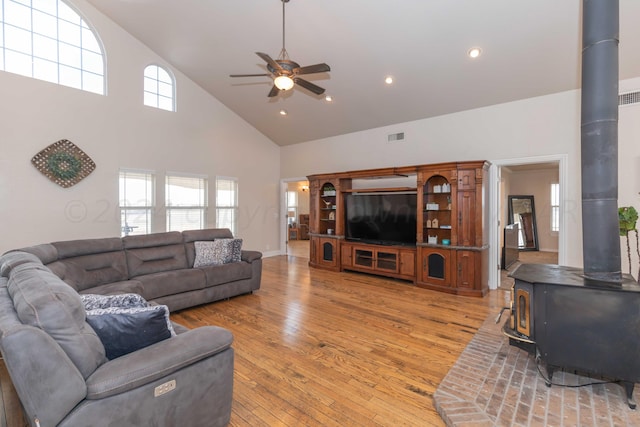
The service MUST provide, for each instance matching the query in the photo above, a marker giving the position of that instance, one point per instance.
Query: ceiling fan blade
(309, 86)
(248, 75)
(310, 69)
(270, 61)
(273, 92)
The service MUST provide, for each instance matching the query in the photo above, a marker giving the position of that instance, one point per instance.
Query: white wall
(117, 130)
(542, 126)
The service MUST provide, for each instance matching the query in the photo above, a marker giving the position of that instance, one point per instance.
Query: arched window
(48, 40)
(159, 88)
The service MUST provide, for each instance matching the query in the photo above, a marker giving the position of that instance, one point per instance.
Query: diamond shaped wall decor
(64, 163)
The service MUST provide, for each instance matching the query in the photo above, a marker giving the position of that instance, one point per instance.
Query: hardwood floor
(317, 348)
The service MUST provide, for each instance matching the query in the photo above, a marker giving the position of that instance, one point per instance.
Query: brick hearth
(495, 384)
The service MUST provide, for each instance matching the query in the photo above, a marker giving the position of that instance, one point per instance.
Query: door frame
(284, 229)
(496, 206)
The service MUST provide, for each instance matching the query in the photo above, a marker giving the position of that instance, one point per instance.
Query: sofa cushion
(46, 252)
(154, 253)
(220, 274)
(126, 323)
(86, 271)
(74, 248)
(42, 300)
(115, 288)
(217, 252)
(11, 260)
(158, 285)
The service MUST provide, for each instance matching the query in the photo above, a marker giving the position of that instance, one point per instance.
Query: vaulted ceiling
(529, 48)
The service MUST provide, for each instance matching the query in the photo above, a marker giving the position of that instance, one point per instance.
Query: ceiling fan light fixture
(285, 72)
(474, 52)
(283, 82)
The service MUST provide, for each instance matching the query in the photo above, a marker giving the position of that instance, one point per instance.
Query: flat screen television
(381, 218)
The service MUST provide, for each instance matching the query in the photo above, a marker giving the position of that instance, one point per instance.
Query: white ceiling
(530, 48)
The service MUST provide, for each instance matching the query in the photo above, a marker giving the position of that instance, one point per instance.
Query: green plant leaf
(628, 217)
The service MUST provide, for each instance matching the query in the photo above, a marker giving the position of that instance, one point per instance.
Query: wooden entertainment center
(451, 249)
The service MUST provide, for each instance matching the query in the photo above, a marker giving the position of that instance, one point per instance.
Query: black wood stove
(569, 322)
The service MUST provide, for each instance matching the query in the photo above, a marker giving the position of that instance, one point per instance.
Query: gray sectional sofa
(157, 266)
(58, 362)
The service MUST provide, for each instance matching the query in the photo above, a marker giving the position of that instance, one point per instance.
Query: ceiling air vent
(629, 98)
(394, 137)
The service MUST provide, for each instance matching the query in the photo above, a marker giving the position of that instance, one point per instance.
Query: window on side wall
(186, 198)
(292, 208)
(136, 202)
(555, 207)
(49, 40)
(159, 88)
(227, 203)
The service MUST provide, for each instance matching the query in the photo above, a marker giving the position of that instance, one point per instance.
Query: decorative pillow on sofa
(94, 301)
(126, 323)
(217, 252)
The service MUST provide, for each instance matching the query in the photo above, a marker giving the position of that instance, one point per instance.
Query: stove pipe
(599, 140)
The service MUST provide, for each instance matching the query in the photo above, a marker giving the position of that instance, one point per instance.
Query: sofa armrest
(40, 369)
(156, 361)
(250, 256)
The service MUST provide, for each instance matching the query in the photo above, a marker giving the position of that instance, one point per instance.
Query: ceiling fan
(286, 71)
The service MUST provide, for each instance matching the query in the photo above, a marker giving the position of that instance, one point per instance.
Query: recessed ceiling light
(474, 52)
(283, 112)
(388, 80)
(328, 98)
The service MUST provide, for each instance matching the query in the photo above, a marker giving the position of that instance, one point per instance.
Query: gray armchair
(58, 366)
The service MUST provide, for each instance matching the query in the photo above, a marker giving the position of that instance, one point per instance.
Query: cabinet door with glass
(386, 260)
(327, 254)
(435, 266)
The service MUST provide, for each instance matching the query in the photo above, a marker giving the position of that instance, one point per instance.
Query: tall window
(186, 198)
(136, 202)
(159, 88)
(555, 207)
(48, 40)
(292, 207)
(227, 203)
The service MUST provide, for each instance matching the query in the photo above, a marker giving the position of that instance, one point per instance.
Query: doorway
(295, 217)
(544, 179)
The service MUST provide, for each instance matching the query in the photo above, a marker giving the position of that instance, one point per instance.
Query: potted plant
(628, 217)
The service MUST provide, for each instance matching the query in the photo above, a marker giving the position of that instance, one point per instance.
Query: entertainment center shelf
(432, 234)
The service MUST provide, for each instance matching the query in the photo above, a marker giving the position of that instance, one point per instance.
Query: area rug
(495, 384)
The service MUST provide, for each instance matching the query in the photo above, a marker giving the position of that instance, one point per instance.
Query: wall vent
(629, 98)
(395, 137)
